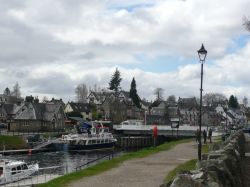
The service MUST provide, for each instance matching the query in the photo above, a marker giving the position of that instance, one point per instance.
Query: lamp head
(202, 52)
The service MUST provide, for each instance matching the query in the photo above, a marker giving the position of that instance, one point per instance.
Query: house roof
(80, 107)
(38, 111)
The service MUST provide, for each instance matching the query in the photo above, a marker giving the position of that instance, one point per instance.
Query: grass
(12, 142)
(187, 166)
(109, 164)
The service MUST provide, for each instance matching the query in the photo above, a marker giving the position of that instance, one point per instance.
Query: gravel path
(144, 172)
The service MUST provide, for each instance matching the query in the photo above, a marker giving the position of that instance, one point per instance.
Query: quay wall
(222, 167)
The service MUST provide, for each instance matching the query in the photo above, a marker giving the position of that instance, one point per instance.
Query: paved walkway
(144, 172)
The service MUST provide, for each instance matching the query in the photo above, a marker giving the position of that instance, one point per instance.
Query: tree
(233, 102)
(81, 92)
(214, 98)
(16, 91)
(171, 99)
(245, 101)
(115, 81)
(133, 94)
(45, 99)
(158, 92)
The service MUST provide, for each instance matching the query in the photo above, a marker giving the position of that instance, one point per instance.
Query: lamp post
(202, 52)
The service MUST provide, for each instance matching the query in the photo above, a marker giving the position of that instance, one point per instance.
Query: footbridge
(163, 130)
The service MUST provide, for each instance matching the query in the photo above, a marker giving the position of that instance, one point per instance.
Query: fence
(14, 133)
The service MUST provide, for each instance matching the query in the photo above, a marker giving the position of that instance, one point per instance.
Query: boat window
(13, 171)
(19, 169)
(93, 141)
(24, 167)
(1, 170)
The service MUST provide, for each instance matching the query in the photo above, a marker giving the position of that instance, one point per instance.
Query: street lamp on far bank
(202, 52)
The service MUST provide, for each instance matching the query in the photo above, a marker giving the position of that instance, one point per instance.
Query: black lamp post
(202, 52)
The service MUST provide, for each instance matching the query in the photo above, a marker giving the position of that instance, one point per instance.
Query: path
(144, 172)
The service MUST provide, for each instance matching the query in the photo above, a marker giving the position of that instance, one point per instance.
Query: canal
(67, 160)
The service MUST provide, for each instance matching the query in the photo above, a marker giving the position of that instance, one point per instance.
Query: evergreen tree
(133, 94)
(233, 102)
(115, 81)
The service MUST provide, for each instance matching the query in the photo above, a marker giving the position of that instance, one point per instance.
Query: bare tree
(245, 101)
(214, 98)
(159, 92)
(81, 92)
(45, 99)
(16, 91)
(171, 99)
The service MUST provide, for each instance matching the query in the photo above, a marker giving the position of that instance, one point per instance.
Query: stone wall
(219, 168)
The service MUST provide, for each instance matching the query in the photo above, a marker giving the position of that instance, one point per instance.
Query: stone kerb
(219, 168)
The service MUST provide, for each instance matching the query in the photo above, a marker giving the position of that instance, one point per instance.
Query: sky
(51, 46)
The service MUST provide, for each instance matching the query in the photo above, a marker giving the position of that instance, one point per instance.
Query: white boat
(12, 170)
(96, 137)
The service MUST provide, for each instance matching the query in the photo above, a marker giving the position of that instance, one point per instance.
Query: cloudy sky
(50, 46)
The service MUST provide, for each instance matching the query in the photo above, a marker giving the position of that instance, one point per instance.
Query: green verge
(12, 142)
(187, 166)
(109, 164)
(190, 165)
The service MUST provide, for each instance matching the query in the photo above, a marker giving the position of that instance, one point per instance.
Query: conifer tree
(133, 94)
(115, 81)
(233, 102)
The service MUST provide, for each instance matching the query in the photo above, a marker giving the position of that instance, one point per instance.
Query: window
(19, 169)
(24, 167)
(1, 171)
(13, 171)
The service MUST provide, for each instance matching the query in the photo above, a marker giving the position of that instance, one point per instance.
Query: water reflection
(69, 160)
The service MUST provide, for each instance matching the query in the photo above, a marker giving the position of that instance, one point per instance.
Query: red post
(155, 133)
(29, 152)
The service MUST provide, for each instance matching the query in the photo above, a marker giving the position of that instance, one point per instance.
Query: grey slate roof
(80, 107)
(38, 111)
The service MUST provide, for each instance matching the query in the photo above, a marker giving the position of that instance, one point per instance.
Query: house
(33, 116)
(98, 97)
(78, 109)
(189, 113)
(210, 117)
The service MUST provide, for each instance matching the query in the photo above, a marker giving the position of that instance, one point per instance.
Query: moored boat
(12, 170)
(89, 138)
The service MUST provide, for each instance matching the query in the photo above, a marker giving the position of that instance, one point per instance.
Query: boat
(88, 137)
(13, 170)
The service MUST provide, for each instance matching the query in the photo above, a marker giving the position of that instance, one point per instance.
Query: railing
(16, 133)
(109, 156)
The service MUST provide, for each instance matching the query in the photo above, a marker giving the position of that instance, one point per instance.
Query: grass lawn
(12, 142)
(106, 165)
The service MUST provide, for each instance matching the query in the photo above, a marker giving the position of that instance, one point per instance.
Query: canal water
(67, 161)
